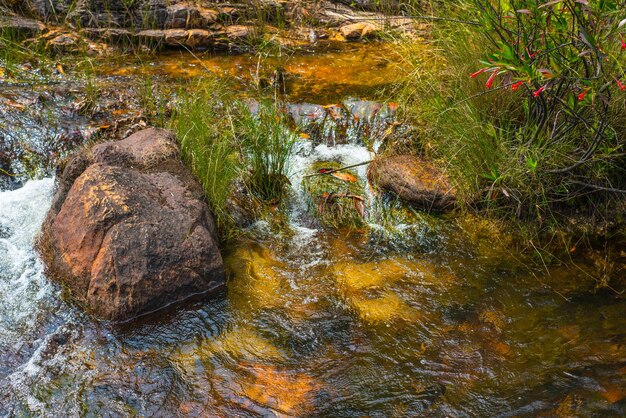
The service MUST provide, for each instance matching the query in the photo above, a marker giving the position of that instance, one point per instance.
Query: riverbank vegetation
(229, 142)
(524, 102)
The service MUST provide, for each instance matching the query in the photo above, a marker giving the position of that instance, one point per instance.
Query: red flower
(492, 77)
(482, 70)
(623, 42)
(582, 95)
(621, 86)
(517, 85)
(539, 91)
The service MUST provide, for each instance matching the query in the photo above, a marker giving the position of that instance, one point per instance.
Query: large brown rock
(414, 180)
(129, 232)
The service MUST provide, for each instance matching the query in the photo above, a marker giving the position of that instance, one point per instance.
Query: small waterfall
(23, 287)
(34, 321)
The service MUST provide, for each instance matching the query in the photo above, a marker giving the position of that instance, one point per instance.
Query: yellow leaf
(344, 176)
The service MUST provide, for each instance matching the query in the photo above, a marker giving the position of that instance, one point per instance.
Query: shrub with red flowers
(566, 58)
(524, 104)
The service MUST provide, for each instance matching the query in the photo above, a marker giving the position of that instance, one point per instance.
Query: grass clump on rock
(203, 124)
(231, 145)
(267, 141)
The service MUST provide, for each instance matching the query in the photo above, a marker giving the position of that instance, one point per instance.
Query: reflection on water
(318, 324)
(325, 76)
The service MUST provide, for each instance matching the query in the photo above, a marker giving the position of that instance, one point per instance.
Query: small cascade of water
(306, 154)
(29, 303)
(350, 134)
(23, 287)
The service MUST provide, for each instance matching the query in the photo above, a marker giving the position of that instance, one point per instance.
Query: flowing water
(422, 315)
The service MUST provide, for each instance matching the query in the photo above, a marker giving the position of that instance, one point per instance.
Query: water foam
(23, 286)
(28, 301)
(347, 154)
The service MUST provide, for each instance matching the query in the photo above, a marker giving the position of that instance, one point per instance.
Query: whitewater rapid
(23, 286)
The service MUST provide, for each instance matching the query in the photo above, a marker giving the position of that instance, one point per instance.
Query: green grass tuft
(203, 124)
(225, 143)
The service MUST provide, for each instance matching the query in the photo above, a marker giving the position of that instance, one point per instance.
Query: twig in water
(337, 169)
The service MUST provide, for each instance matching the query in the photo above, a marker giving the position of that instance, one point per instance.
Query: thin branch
(433, 18)
(338, 169)
(602, 188)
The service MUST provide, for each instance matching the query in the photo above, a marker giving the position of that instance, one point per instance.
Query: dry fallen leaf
(344, 176)
(359, 206)
(613, 394)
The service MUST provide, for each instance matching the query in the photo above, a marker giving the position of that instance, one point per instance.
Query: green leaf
(587, 38)
(531, 164)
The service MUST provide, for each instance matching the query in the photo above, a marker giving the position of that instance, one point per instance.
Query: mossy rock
(336, 202)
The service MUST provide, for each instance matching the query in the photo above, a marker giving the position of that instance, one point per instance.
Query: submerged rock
(129, 232)
(414, 180)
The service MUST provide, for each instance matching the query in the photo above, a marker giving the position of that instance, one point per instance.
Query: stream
(423, 315)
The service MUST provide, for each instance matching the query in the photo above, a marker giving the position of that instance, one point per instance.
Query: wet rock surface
(129, 232)
(21, 25)
(415, 180)
(341, 123)
(202, 25)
